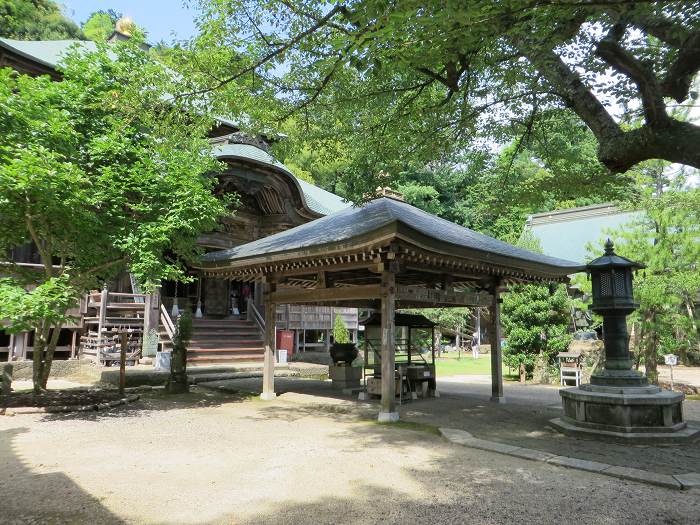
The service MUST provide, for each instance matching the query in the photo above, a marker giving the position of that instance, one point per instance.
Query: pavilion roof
(383, 222)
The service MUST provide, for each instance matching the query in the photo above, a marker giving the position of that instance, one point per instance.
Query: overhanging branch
(610, 50)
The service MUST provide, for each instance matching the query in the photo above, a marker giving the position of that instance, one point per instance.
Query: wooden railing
(167, 322)
(255, 315)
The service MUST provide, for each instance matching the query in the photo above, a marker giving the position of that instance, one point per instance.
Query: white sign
(671, 360)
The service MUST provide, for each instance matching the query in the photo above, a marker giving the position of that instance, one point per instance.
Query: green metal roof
(47, 52)
(317, 199)
(565, 233)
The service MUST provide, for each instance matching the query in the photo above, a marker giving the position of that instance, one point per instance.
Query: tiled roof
(342, 227)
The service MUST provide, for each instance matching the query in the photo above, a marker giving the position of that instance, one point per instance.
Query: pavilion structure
(385, 255)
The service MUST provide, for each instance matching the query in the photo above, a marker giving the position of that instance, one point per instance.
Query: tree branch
(610, 50)
(681, 73)
(272, 54)
(575, 93)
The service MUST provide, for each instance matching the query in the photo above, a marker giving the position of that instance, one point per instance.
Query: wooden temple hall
(385, 256)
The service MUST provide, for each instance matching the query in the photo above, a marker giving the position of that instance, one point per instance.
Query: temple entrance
(216, 297)
(226, 298)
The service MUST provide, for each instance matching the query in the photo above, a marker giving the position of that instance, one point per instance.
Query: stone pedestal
(638, 414)
(6, 379)
(345, 377)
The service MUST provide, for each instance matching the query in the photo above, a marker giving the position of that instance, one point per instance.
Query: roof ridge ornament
(609, 247)
(384, 191)
(240, 137)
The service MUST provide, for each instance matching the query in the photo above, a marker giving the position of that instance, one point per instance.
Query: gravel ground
(213, 457)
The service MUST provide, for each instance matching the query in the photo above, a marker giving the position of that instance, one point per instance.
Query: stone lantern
(613, 299)
(619, 404)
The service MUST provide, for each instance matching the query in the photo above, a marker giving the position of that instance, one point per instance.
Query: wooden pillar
(388, 411)
(151, 319)
(102, 318)
(496, 356)
(268, 392)
(74, 343)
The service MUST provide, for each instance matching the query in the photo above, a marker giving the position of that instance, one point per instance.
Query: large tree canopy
(100, 172)
(422, 78)
(35, 20)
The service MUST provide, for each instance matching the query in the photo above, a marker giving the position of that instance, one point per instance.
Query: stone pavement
(523, 421)
(688, 481)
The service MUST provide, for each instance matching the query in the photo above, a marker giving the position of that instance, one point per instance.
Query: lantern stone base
(345, 376)
(642, 414)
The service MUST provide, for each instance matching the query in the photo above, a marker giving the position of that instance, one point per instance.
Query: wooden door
(216, 297)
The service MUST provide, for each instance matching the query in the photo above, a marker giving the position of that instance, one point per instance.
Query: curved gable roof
(412, 224)
(317, 199)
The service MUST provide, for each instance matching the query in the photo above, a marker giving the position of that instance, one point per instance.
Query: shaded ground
(522, 421)
(56, 398)
(211, 457)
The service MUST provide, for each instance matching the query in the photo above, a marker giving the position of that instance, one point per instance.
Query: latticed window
(605, 285)
(620, 284)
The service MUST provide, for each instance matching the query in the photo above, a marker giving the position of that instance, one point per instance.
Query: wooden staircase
(224, 341)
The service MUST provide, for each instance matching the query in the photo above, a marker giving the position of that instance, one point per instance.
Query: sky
(165, 20)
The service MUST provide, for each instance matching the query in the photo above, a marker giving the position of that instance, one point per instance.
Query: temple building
(272, 199)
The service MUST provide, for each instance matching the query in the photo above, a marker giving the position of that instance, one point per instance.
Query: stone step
(216, 343)
(209, 360)
(224, 350)
(210, 334)
(222, 322)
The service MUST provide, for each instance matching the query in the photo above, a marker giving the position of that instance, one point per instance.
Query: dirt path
(214, 458)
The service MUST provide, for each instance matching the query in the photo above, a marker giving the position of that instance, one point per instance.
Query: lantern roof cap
(611, 260)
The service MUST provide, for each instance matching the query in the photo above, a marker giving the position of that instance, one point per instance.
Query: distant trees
(35, 20)
(666, 238)
(100, 25)
(535, 323)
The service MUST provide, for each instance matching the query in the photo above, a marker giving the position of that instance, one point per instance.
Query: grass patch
(451, 365)
(411, 425)
(695, 397)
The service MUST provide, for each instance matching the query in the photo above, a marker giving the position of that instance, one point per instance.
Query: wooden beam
(388, 411)
(324, 295)
(428, 296)
(496, 353)
(270, 333)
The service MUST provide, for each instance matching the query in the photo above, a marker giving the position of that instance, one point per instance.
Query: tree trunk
(650, 360)
(691, 314)
(48, 355)
(438, 340)
(41, 335)
(522, 372)
(619, 150)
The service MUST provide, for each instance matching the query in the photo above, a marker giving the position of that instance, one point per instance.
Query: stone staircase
(224, 341)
